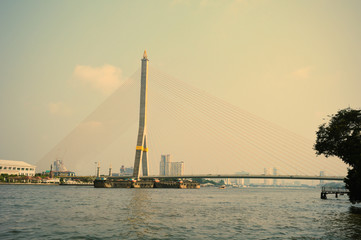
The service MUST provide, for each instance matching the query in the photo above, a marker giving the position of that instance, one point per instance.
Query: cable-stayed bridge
(208, 134)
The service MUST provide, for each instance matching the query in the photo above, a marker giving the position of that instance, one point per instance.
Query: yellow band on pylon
(139, 148)
(145, 149)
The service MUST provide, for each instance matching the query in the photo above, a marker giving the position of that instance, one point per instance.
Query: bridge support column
(145, 164)
(323, 195)
(141, 153)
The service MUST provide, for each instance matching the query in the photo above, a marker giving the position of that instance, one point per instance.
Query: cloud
(104, 79)
(59, 109)
(302, 73)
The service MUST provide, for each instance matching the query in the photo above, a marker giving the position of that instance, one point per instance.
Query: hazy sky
(290, 62)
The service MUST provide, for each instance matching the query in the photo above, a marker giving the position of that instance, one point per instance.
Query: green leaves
(341, 137)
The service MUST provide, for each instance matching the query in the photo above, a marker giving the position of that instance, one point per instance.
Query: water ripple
(57, 212)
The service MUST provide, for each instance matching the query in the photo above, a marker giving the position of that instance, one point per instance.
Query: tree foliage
(341, 137)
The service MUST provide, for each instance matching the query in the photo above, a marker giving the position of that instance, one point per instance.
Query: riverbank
(40, 184)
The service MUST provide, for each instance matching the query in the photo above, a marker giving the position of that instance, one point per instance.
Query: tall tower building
(177, 169)
(165, 165)
(267, 171)
(243, 181)
(322, 173)
(59, 166)
(275, 173)
(141, 152)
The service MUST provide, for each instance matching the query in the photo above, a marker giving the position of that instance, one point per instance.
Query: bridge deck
(260, 176)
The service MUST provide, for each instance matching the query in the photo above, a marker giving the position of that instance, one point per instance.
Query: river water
(70, 212)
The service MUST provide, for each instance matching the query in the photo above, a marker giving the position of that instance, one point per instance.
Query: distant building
(322, 173)
(275, 173)
(169, 168)
(177, 169)
(227, 181)
(267, 171)
(297, 183)
(59, 169)
(246, 181)
(242, 181)
(59, 166)
(164, 166)
(124, 171)
(16, 168)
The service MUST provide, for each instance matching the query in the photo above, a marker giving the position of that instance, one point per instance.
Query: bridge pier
(323, 195)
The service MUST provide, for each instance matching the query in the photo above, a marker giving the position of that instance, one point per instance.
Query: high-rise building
(164, 165)
(322, 173)
(177, 168)
(239, 181)
(275, 173)
(60, 169)
(169, 168)
(243, 181)
(227, 181)
(267, 171)
(59, 166)
(164, 168)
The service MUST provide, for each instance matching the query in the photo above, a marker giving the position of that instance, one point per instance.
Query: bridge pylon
(141, 151)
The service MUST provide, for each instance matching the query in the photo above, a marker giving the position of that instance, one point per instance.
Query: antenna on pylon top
(145, 54)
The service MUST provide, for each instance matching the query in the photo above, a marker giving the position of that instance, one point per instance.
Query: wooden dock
(336, 191)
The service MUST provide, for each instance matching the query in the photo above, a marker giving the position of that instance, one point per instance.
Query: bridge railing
(256, 176)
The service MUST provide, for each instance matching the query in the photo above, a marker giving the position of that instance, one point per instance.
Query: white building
(16, 168)
(227, 181)
(267, 172)
(177, 169)
(242, 181)
(59, 166)
(322, 173)
(169, 168)
(275, 173)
